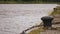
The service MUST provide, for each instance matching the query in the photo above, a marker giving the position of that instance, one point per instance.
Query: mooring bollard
(47, 21)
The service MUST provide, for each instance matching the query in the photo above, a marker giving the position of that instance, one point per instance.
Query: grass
(55, 12)
(37, 31)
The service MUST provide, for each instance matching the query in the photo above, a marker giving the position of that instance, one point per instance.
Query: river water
(14, 18)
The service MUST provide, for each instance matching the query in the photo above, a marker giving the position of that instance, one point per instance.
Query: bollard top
(47, 18)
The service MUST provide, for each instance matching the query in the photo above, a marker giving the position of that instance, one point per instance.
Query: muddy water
(14, 18)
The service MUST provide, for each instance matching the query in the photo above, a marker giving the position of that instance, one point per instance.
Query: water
(14, 18)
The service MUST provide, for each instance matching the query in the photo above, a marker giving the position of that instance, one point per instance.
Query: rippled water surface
(14, 18)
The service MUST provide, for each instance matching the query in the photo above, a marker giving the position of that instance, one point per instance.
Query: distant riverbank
(28, 2)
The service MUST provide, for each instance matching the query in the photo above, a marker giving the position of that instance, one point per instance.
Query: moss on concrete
(56, 10)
